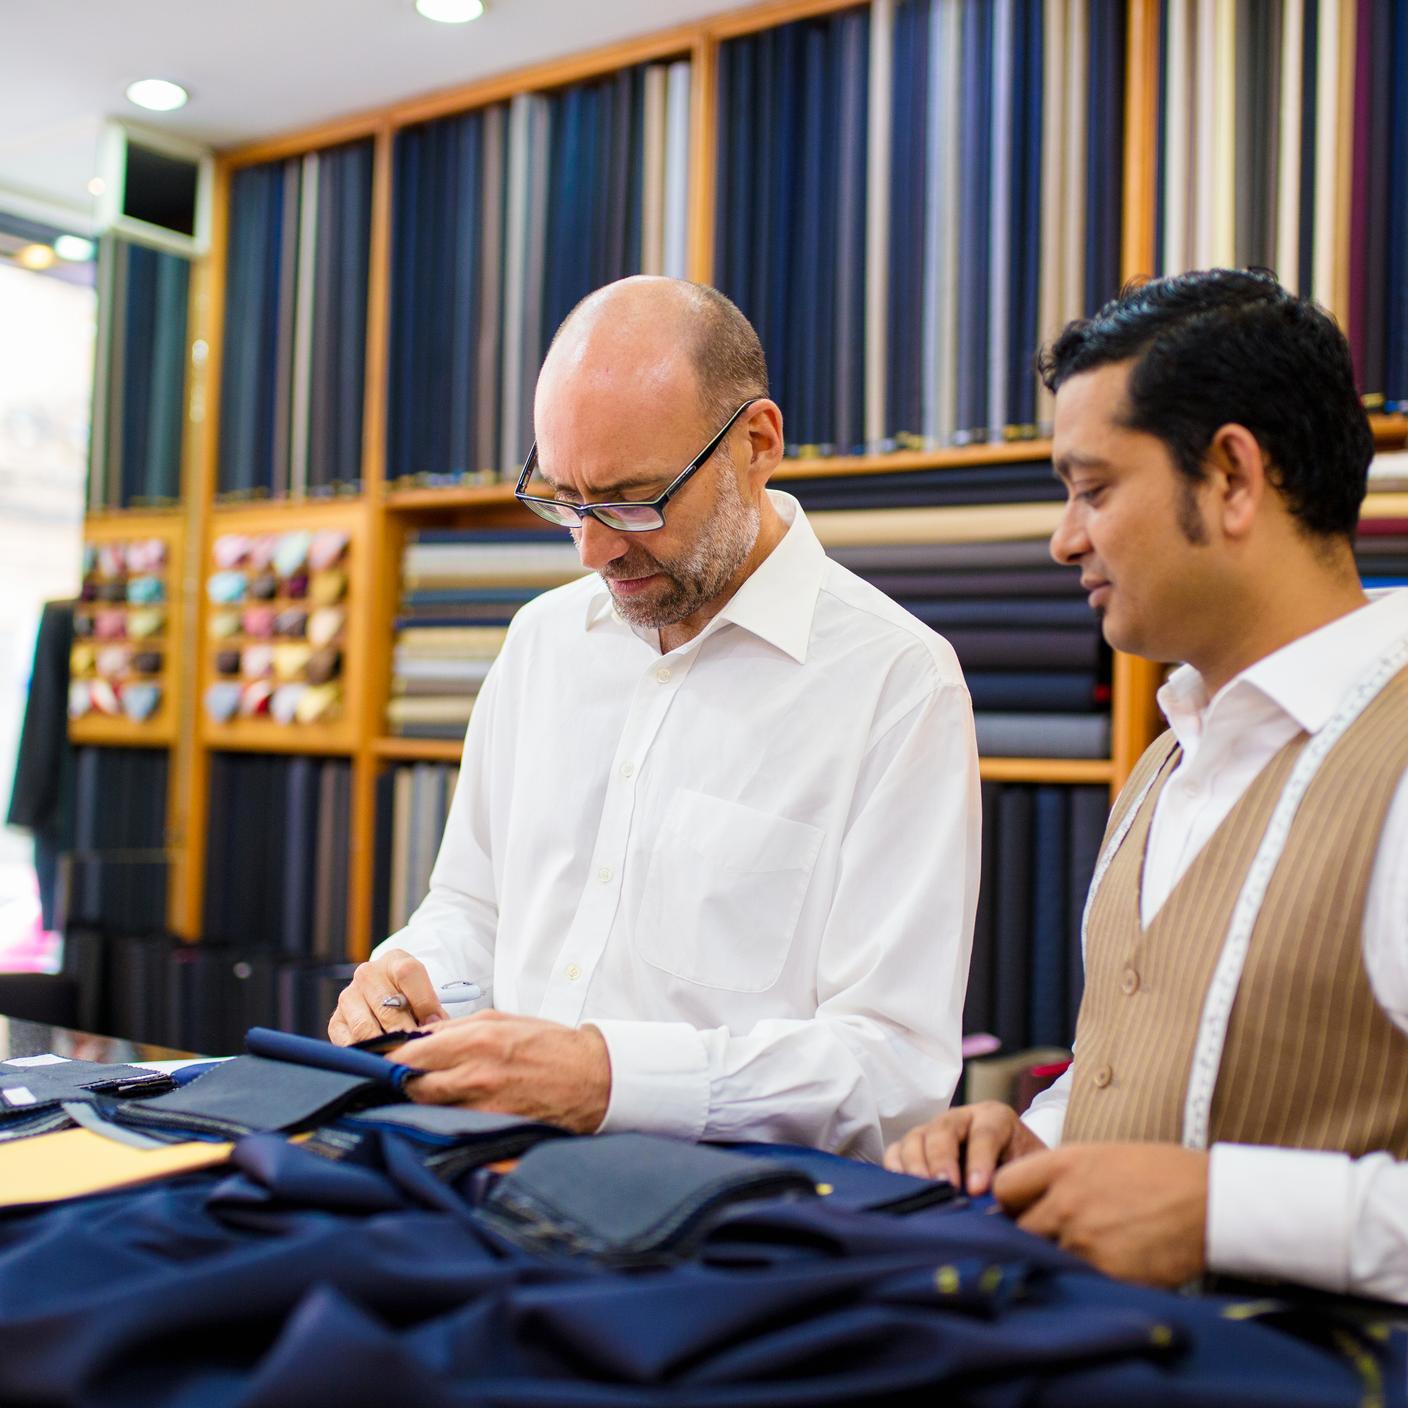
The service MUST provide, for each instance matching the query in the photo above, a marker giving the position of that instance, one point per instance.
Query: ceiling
(254, 68)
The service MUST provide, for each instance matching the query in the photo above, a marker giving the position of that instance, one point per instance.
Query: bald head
(647, 339)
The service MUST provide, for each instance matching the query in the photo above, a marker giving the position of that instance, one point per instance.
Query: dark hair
(1227, 346)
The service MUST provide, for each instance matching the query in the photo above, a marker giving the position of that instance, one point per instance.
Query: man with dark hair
(1239, 1096)
(714, 843)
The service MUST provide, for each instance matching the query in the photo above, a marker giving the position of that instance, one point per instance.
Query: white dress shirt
(1322, 1219)
(751, 861)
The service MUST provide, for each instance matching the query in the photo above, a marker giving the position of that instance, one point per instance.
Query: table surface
(20, 1038)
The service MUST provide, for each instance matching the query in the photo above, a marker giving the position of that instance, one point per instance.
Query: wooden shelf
(418, 750)
(261, 736)
(1095, 771)
(118, 731)
(258, 509)
(899, 462)
(121, 521)
(1390, 432)
(1081, 771)
(1385, 504)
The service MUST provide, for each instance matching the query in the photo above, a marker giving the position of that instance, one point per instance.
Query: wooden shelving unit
(380, 517)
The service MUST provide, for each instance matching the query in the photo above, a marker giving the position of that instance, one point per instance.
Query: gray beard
(696, 578)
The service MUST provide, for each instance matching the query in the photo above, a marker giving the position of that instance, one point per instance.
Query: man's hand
(360, 1015)
(978, 1136)
(520, 1065)
(1136, 1211)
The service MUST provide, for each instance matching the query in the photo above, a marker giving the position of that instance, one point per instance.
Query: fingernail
(431, 1021)
(975, 1183)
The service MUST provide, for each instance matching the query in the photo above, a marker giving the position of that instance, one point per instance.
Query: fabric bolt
(318, 702)
(227, 662)
(112, 661)
(648, 928)
(256, 661)
(257, 621)
(283, 705)
(323, 665)
(110, 625)
(146, 662)
(223, 624)
(291, 623)
(325, 625)
(328, 587)
(148, 622)
(263, 586)
(80, 699)
(146, 591)
(254, 698)
(226, 588)
(221, 701)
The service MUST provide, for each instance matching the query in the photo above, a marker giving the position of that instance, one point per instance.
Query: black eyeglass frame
(584, 511)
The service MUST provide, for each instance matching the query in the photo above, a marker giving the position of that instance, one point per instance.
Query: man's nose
(597, 544)
(1069, 542)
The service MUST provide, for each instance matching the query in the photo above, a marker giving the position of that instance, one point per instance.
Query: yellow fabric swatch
(71, 1163)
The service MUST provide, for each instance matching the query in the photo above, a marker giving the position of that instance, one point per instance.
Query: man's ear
(763, 423)
(1238, 479)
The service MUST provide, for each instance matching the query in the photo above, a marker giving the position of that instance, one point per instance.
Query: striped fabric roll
(502, 219)
(138, 406)
(296, 326)
(1279, 124)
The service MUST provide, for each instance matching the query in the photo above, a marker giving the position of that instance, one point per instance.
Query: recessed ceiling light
(73, 248)
(36, 257)
(451, 11)
(157, 95)
(97, 186)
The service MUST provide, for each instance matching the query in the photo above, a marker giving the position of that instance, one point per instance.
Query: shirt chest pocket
(722, 891)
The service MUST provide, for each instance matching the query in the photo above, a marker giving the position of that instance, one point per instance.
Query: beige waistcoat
(1310, 1059)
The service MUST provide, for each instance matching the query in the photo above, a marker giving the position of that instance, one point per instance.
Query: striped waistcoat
(1309, 1060)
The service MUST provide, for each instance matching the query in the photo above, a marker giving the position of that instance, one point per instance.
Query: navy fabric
(630, 1199)
(310, 1051)
(299, 1280)
(250, 1093)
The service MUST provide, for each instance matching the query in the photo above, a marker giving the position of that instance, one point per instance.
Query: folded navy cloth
(629, 1199)
(451, 1142)
(24, 1089)
(849, 1183)
(312, 1051)
(248, 1094)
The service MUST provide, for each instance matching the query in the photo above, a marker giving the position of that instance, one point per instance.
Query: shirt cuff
(659, 1078)
(1280, 1214)
(1046, 1120)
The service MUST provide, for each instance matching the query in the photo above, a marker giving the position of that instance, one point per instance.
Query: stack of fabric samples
(412, 807)
(1031, 649)
(459, 591)
(1381, 551)
(117, 661)
(276, 626)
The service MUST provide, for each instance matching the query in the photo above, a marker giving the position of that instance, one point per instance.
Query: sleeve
(1046, 1115)
(883, 1051)
(1319, 1219)
(452, 930)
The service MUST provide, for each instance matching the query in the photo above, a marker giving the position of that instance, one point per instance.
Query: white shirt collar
(1305, 680)
(776, 603)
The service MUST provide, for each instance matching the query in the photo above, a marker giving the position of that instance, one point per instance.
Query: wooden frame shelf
(1390, 431)
(418, 750)
(1079, 771)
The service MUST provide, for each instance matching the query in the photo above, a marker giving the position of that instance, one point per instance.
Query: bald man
(714, 845)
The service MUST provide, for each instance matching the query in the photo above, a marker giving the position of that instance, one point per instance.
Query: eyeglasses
(640, 517)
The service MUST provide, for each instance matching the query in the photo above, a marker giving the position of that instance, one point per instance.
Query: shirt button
(604, 875)
(662, 675)
(573, 972)
(1129, 982)
(1102, 1077)
(628, 771)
